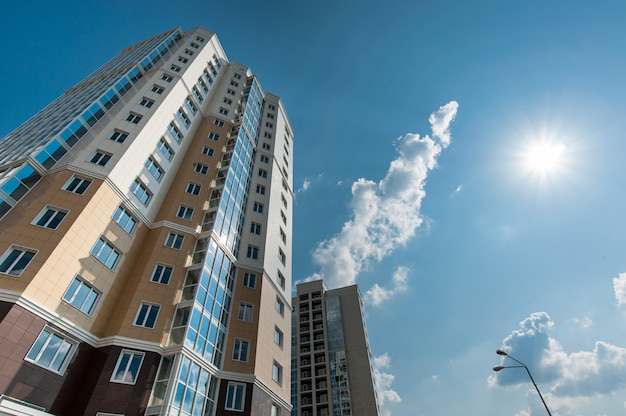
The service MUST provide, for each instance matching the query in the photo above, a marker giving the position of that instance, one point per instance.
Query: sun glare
(545, 157)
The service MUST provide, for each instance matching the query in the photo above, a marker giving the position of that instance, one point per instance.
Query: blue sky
(459, 248)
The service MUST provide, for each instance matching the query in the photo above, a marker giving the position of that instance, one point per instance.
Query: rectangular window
(234, 83)
(240, 350)
(218, 123)
(245, 312)
(266, 146)
(175, 132)
(166, 78)
(277, 373)
(141, 192)
(146, 315)
(77, 185)
(269, 125)
(146, 102)
(278, 337)
(82, 296)
(185, 212)
(263, 173)
(227, 101)
(174, 240)
(15, 260)
(249, 280)
(162, 273)
(193, 188)
(283, 236)
(118, 136)
(255, 228)
(280, 279)
(280, 306)
(265, 159)
(51, 351)
(153, 167)
(230, 91)
(201, 168)
(214, 136)
(127, 367)
(106, 253)
(282, 198)
(157, 89)
(165, 149)
(183, 117)
(175, 68)
(208, 151)
(260, 189)
(281, 256)
(253, 252)
(223, 111)
(235, 396)
(125, 220)
(283, 217)
(100, 158)
(182, 59)
(275, 410)
(133, 118)
(267, 135)
(49, 217)
(189, 52)
(258, 207)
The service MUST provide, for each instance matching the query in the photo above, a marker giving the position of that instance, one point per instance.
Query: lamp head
(500, 352)
(498, 368)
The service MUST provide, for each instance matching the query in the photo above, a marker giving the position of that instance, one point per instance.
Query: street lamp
(521, 365)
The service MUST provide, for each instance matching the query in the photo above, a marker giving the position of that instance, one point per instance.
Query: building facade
(331, 368)
(145, 241)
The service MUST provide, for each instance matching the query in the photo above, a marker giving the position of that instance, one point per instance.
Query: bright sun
(544, 158)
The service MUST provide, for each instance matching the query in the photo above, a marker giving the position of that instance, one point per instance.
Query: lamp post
(521, 365)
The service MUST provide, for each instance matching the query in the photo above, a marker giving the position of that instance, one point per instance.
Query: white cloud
(378, 294)
(584, 323)
(458, 189)
(385, 214)
(383, 381)
(619, 286)
(305, 185)
(564, 378)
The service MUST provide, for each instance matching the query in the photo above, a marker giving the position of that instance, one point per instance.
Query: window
(162, 274)
(249, 280)
(265, 159)
(146, 315)
(218, 123)
(235, 396)
(278, 337)
(280, 306)
(283, 236)
(146, 102)
(227, 101)
(277, 373)
(199, 39)
(201, 168)
(118, 136)
(175, 132)
(157, 89)
(166, 78)
(282, 198)
(270, 116)
(174, 240)
(267, 135)
(15, 260)
(141, 192)
(266, 146)
(258, 207)
(175, 68)
(165, 149)
(240, 350)
(280, 279)
(263, 173)
(51, 351)
(49, 217)
(245, 312)
(193, 188)
(223, 111)
(255, 228)
(272, 107)
(269, 125)
(77, 185)
(183, 117)
(182, 59)
(253, 252)
(127, 367)
(189, 52)
(275, 410)
(281, 256)
(100, 158)
(260, 189)
(133, 118)
(283, 217)
(185, 212)
(230, 91)
(106, 253)
(214, 136)
(237, 76)
(154, 168)
(125, 220)
(208, 151)
(194, 45)
(82, 296)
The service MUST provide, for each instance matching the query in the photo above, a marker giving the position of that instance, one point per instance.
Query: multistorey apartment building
(145, 241)
(331, 372)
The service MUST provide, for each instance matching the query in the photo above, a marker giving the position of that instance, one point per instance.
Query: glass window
(125, 220)
(77, 185)
(158, 89)
(146, 102)
(240, 350)
(141, 192)
(51, 350)
(275, 410)
(201, 168)
(127, 367)
(49, 217)
(258, 207)
(118, 136)
(245, 312)
(249, 280)
(214, 136)
(15, 260)
(162, 274)
(106, 253)
(146, 315)
(253, 252)
(165, 149)
(154, 168)
(100, 158)
(185, 212)
(260, 190)
(278, 337)
(280, 306)
(255, 228)
(193, 188)
(235, 396)
(174, 240)
(277, 373)
(82, 296)
(133, 118)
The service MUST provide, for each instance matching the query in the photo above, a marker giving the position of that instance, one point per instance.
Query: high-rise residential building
(331, 365)
(145, 241)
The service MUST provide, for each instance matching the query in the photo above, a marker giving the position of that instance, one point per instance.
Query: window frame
(76, 291)
(277, 373)
(100, 157)
(43, 345)
(158, 276)
(145, 192)
(16, 260)
(50, 219)
(245, 312)
(77, 185)
(129, 219)
(147, 314)
(235, 396)
(113, 249)
(193, 188)
(249, 280)
(131, 354)
(279, 337)
(175, 240)
(185, 212)
(240, 353)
